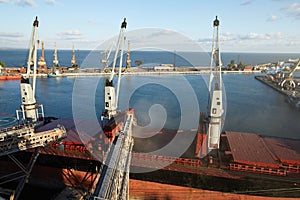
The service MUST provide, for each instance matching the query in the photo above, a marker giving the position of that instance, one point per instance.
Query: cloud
(262, 36)
(293, 10)
(246, 3)
(25, 3)
(11, 34)
(272, 18)
(50, 2)
(4, 1)
(70, 35)
(228, 36)
(161, 33)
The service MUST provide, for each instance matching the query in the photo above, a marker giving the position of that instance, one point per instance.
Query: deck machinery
(22, 137)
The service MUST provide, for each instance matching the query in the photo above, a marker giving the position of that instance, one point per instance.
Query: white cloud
(246, 3)
(4, 1)
(273, 18)
(70, 35)
(51, 2)
(25, 3)
(293, 10)
(11, 34)
(228, 36)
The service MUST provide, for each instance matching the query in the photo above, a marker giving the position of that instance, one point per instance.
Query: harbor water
(251, 106)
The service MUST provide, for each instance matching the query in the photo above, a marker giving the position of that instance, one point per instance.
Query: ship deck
(252, 152)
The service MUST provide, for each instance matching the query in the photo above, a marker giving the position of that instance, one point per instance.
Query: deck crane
(111, 96)
(30, 111)
(23, 137)
(215, 105)
(113, 182)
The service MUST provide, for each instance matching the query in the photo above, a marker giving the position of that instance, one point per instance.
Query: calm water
(164, 101)
(251, 106)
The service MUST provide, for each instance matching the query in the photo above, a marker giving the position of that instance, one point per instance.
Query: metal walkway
(113, 181)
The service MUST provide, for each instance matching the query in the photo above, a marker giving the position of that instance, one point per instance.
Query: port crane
(73, 60)
(114, 175)
(128, 60)
(55, 60)
(215, 104)
(288, 82)
(22, 136)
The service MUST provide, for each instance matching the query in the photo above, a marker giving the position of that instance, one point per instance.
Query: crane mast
(111, 96)
(55, 60)
(73, 61)
(128, 60)
(29, 108)
(215, 110)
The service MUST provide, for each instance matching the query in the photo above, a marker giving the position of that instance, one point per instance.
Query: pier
(275, 86)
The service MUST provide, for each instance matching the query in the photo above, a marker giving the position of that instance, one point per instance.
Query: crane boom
(111, 98)
(29, 109)
(215, 110)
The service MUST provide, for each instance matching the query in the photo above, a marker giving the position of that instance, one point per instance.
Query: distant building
(248, 68)
(164, 67)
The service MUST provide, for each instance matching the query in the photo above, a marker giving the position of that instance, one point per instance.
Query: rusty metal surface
(251, 149)
(286, 150)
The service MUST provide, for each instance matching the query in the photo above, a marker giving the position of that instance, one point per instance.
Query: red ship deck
(246, 151)
(252, 152)
(250, 149)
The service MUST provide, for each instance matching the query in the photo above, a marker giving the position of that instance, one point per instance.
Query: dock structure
(275, 86)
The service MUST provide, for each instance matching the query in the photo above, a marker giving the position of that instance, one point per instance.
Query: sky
(245, 25)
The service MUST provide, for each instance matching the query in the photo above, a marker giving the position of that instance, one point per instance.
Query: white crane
(112, 96)
(55, 60)
(29, 108)
(215, 109)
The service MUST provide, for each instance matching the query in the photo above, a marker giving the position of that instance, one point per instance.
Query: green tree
(241, 65)
(232, 63)
(138, 62)
(3, 64)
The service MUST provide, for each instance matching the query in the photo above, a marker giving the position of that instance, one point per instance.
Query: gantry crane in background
(55, 57)
(22, 136)
(287, 82)
(73, 60)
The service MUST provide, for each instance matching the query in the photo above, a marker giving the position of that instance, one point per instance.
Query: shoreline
(148, 73)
